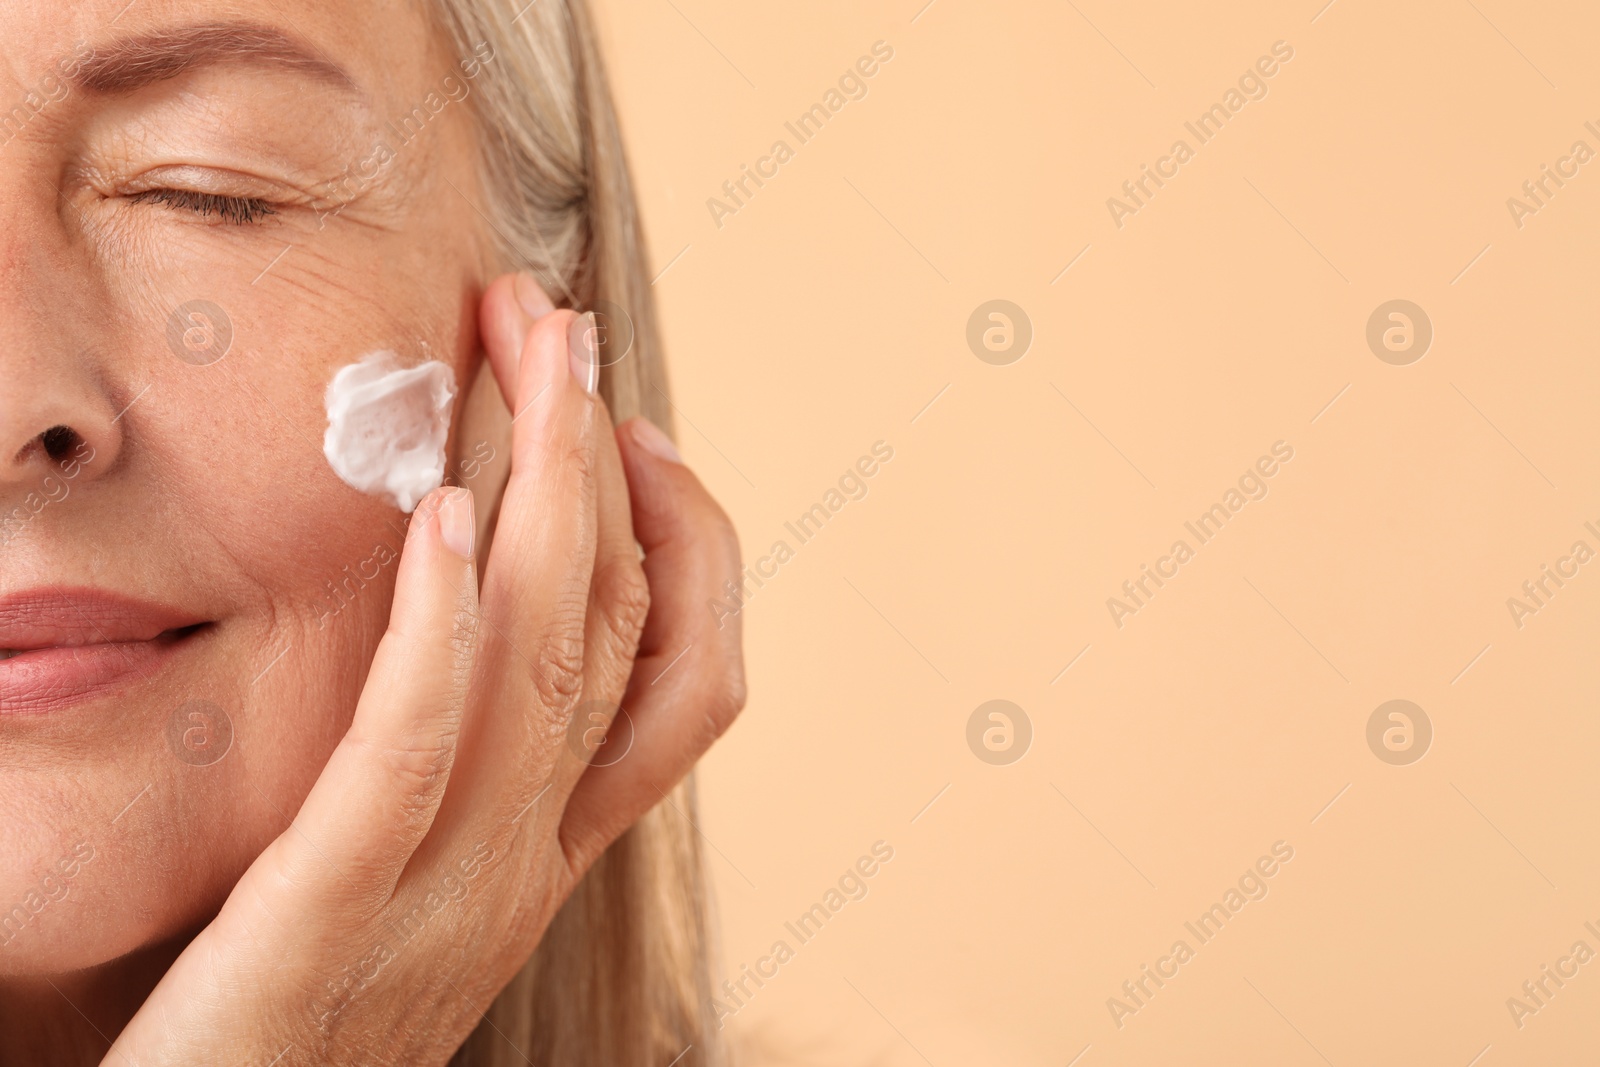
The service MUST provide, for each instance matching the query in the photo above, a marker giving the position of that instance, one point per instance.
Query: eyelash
(241, 211)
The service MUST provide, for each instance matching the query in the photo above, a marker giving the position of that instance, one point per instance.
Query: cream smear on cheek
(387, 427)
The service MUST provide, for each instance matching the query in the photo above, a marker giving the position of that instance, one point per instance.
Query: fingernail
(457, 527)
(585, 359)
(652, 440)
(531, 295)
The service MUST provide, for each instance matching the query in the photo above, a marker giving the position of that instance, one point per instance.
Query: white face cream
(387, 426)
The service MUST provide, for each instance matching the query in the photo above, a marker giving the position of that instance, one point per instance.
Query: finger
(536, 580)
(510, 307)
(378, 795)
(688, 683)
(619, 603)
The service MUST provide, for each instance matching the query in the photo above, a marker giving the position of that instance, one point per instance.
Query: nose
(60, 403)
(53, 415)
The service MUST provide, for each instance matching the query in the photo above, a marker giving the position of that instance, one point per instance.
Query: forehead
(371, 49)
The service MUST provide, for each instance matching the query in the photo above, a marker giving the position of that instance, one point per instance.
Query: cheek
(242, 437)
(226, 497)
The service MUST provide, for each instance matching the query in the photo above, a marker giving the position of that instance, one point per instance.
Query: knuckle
(416, 772)
(558, 671)
(625, 605)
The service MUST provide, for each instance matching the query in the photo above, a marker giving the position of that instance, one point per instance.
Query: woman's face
(289, 182)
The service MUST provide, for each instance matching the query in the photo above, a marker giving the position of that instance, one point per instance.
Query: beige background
(1227, 314)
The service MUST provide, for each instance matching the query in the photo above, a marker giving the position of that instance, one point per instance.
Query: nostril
(59, 441)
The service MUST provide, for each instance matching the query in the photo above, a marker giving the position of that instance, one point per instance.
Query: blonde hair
(622, 976)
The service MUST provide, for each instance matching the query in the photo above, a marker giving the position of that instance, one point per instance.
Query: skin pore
(202, 152)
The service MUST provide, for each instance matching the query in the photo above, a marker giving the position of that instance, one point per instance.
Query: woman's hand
(461, 808)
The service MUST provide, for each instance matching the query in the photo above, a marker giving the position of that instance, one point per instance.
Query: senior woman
(287, 774)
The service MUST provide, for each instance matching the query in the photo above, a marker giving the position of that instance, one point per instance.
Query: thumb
(378, 795)
(363, 819)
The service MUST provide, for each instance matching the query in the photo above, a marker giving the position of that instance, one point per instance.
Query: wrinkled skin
(202, 486)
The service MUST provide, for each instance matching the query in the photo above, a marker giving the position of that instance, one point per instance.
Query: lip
(77, 644)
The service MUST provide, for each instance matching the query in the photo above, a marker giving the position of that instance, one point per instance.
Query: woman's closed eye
(240, 211)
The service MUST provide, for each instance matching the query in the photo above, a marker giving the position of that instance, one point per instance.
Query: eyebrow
(133, 63)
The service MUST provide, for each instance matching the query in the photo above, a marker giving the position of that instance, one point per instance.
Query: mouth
(62, 647)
